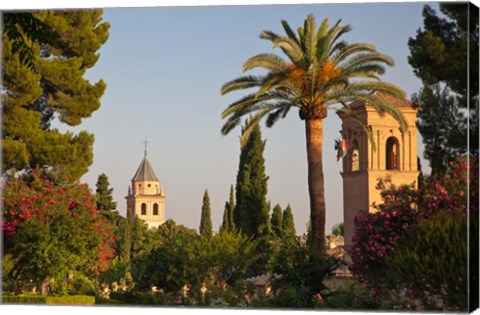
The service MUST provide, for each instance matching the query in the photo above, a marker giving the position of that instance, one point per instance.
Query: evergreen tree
(288, 223)
(45, 57)
(206, 219)
(225, 227)
(442, 54)
(126, 249)
(105, 204)
(251, 211)
(277, 220)
(228, 223)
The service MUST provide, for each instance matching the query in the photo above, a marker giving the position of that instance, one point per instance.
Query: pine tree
(277, 220)
(206, 219)
(45, 57)
(105, 204)
(288, 223)
(251, 211)
(442, 53)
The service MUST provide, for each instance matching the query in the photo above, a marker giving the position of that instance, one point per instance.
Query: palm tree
(322, 72)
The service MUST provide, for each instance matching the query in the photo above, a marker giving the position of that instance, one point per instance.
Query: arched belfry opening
(145, 199)
(393, 154)
(355, 156)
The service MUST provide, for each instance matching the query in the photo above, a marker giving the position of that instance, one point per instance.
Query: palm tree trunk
(314, 139)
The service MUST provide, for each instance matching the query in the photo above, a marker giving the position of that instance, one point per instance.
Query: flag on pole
(341, 147)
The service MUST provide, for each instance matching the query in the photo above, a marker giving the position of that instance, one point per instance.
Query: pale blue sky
(164, 68)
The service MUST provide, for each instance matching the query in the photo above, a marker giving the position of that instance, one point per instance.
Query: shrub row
(37, 299)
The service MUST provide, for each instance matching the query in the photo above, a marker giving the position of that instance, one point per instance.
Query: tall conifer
(288, 223)
(277, 220)
(251, 211)
(105, 204)
(206, 219)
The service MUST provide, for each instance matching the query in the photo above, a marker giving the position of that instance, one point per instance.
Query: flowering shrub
(403, 211)
(51, 229)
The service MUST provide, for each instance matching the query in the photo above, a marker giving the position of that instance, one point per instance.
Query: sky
(164, 67)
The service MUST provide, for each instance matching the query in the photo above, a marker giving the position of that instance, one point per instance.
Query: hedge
(38, 299)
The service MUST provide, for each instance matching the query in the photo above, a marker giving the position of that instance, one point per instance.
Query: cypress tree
(225, 227)
(105, 204)
(228, 223)
(126, 248)
(288, 223)
(206, 220)
(251, 211)
(277, 220)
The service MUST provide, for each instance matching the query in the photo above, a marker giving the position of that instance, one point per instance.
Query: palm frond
(280, 112)
(309, 37)
(290, 33)
(268, 61)
(243, 82)
(268, 35)
(383, 107)
(364, 70)
(352, 49)
(290, 48)
(365, 58)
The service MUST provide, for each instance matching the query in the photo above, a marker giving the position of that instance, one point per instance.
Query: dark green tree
(126, 233)
(442, 54)
(277, 220)
(251, 211)
(45, 57)
(288, 224)
(228, 223)
(105, 203)
(320, 72)
(206, 216)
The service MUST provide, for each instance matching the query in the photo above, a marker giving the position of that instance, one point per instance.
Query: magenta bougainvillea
(53, 227)
(403, 208)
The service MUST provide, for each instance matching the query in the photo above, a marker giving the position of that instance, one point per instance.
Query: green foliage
(228, 223)
(139, 298)
(288, 225)
(301, 271)
(50, 230)
(431, 263)
(105, 203)
(165, 263)
(45, 57)
(351, 296)
(205, 228)
(81, 285)
(277, 220)
(58, 300)
(251, 215)
(442, 54)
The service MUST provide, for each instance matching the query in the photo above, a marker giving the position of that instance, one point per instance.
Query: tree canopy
(45, 57)
(444, 55)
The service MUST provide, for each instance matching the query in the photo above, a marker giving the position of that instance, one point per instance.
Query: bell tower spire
(146, 144)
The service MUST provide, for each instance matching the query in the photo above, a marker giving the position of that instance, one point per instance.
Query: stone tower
(146, 197)
(395, 156)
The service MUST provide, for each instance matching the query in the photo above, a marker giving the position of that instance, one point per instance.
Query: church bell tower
(395, 156)
(146, 198)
